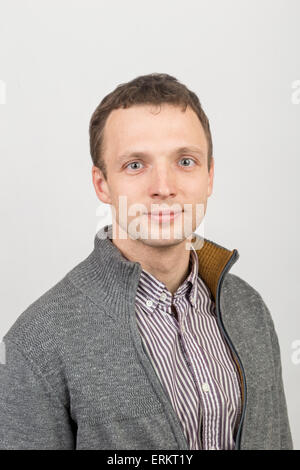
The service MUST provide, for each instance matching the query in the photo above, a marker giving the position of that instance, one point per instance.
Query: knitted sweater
(76, 375)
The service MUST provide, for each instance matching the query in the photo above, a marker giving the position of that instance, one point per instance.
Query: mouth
(163, 216)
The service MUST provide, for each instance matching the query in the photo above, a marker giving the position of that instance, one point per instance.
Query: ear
(211, 177)
(100, 185)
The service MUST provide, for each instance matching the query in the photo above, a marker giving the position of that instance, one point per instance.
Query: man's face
(145, 167)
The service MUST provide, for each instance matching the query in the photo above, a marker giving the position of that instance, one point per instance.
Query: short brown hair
(155, 88)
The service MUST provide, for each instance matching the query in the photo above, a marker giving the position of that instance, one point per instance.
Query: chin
(161, 242)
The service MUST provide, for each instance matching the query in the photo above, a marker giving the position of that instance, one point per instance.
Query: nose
(163, 183)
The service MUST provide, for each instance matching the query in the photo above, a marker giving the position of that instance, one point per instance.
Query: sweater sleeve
(284, 426)
(285, 436)
(31, 416)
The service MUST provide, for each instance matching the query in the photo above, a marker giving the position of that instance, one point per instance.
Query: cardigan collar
(107, 277)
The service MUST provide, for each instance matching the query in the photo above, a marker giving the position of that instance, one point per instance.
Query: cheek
(118, 191)
(128, 202)
(197, 188)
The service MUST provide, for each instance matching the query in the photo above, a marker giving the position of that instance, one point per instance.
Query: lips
(163, 212)
(164, 216)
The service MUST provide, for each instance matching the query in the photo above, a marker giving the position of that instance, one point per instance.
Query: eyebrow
(178, 151)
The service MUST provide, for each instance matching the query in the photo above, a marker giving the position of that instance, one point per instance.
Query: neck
(169, 263)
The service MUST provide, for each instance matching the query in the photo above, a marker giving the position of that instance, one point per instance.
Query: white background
(58, 59)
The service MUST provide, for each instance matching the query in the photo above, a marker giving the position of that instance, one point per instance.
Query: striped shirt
(191, 358)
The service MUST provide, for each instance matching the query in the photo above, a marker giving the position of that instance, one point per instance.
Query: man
(149, 342)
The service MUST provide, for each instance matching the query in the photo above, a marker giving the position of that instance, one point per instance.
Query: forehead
(150, 125)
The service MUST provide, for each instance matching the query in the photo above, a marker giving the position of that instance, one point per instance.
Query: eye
(138, 163)
(187, 158)
(132, 163)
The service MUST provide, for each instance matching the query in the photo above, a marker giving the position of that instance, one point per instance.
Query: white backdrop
(59, 58)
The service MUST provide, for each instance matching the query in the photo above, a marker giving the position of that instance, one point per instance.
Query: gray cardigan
(76, 375)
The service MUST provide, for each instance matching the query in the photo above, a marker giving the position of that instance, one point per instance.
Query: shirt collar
(152, 293)
(107, 278)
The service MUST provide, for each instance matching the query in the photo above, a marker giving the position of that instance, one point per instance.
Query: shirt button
(183, 328)
(192, 301)
(149, 303)
(163, 296)
(205, 387)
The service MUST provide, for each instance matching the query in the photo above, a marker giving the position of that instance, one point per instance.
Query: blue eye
(132, 164)
(186, 158)
(138, 163)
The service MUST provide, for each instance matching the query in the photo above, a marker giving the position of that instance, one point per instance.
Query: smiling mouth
(163, 216)
(164, 212)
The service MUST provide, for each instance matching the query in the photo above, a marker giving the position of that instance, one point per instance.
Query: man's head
(150, 142)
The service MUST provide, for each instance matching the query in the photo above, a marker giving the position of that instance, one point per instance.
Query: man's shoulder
(47, 319)
(245, 302)
(240, 288)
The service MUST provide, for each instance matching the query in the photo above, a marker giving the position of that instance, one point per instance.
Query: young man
(150, 342)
